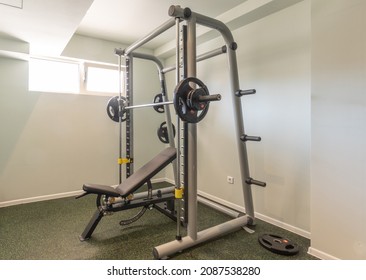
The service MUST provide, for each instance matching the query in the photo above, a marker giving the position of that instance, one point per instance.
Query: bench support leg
(88, 231)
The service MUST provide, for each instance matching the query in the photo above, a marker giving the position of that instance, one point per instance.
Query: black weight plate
(157, 99)
(162, 133)
(183, 106)
(112, 109)
(278, 244)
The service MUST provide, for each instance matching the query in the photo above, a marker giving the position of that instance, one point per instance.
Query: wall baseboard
(320, 254)
(38, 198)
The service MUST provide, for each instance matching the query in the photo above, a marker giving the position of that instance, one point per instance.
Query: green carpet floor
(49, 230)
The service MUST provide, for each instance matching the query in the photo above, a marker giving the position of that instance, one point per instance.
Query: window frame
(84, 71)
(83, 67)
(53, 60)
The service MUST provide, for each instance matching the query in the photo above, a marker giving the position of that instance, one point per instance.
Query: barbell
(191, 102)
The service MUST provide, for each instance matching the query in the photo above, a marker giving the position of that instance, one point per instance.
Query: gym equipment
(159, 99)
(193, 236)
(168, 206)
(163, 133)
(106, 195)
(278, 244)
(113, 108)
(190, 103)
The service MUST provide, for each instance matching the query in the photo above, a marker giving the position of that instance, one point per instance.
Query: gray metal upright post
(192, 136)
(129, 115)
(120, 146)
(239, 125)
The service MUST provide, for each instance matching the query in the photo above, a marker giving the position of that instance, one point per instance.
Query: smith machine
(191, 102)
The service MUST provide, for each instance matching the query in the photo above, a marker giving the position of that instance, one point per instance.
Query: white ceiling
(126, 21)
(47, 26)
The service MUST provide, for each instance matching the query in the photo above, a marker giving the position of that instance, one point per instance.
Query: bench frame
(114, 199)
(159, 201)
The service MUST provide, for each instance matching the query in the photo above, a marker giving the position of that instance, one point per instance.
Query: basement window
(53, 76)
(102, 79)
(73, 76)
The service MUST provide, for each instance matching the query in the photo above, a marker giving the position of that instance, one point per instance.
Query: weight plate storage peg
(278, 244)
(158, 99)
(113, 109)
(191, 103)
(163, 133)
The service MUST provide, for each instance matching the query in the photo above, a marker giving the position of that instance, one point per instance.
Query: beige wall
(53, 143)
(338, 155)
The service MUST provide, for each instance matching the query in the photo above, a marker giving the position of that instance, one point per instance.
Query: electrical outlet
(230, 179)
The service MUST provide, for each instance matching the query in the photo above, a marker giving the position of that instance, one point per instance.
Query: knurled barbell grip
(251, 181)
(207, 98)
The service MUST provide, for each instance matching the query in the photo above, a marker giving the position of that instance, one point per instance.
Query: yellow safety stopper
(123, 160)
(179, 193)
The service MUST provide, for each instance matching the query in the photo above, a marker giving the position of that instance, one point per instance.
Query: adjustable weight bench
(127, 188)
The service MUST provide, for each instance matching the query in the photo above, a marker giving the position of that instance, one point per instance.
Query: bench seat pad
(100, 189)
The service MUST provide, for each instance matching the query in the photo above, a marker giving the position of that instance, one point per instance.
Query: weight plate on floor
(278, 244)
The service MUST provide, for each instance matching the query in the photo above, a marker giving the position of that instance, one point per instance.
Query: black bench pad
(100, 189)
(137, 179)
(146, 172)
